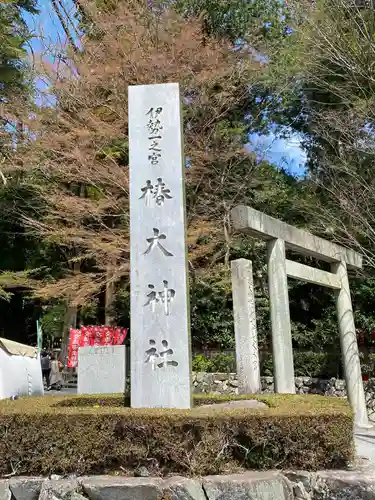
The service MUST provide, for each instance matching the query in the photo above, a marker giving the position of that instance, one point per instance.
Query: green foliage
(219, 363)
(13, 35)
(324, 365)
(320, 84)
(121, 306)
(299, 432)
(89, 312)
(369, 369)
(52, 321)
(117, 150)
(279, 194)
(310, 364)
(211, 309)
(16, 250)
(201, 363)
(259, 21)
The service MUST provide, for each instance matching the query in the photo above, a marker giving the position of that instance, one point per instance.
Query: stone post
(245, 327)
(349, 347)
(160, 326)
(279, 304)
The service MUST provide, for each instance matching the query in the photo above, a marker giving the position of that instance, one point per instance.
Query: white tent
(20, 370)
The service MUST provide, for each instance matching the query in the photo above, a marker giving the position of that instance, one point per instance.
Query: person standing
(56, 380)
(45, 361)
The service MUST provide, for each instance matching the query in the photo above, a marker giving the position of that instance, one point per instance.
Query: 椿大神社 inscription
(160, 346)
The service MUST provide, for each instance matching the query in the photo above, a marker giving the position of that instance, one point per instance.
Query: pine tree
(13, 36)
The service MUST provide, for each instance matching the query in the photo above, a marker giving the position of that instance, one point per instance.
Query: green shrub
(219, 363)
(91, 435)
(309, 364)
(223, 363)
(201, 363)
(368, 365)
(306, 364)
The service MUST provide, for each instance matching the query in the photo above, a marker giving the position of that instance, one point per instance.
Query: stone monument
(245, 327)
(101, 369)
(160, 343)
(279, 237)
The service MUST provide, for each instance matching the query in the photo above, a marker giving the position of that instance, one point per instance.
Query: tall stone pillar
(160, 317)
(349, 347)
(245, 327)
(279, 304)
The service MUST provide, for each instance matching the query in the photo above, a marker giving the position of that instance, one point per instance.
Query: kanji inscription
(157, 193)
(164, 298)
(160, 347)
(160, 359)
(154, 242)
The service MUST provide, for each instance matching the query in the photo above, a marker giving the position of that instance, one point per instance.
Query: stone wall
(227, 383)
(270, 485)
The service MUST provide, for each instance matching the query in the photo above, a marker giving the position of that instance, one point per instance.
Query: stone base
(252, 485)
(101, 369)
(232, 405)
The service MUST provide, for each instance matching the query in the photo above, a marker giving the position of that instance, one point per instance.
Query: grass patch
(96, 435)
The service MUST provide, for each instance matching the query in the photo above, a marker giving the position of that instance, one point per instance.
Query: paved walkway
(365, 444)
(64, 391)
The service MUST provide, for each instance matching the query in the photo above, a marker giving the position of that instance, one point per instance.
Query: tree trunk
(70, 321)
(110, 289)
(226, 227)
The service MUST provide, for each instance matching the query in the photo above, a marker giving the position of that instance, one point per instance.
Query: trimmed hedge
(91, 435)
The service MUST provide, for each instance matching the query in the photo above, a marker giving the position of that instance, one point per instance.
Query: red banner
(93, 336)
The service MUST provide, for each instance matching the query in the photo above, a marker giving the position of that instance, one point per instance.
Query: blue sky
(48, 36)
(46, 25)
(285, 153)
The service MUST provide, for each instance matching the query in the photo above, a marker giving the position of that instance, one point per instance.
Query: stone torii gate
(279, 237)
